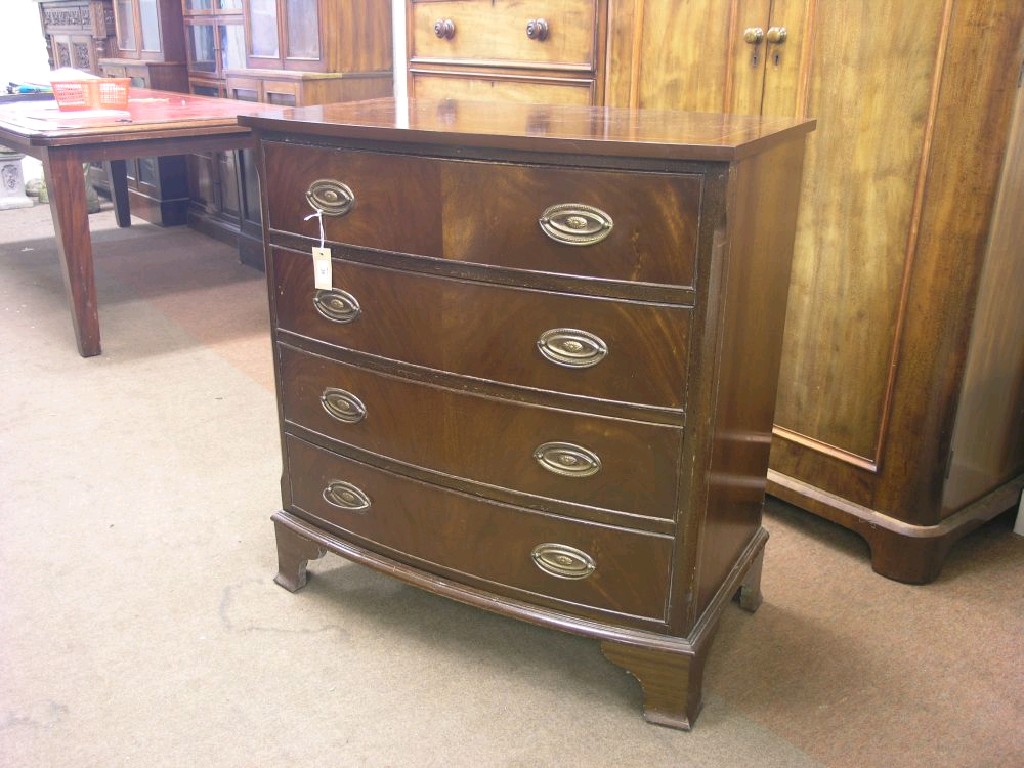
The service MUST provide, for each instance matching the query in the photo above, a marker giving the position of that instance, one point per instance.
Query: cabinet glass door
(149, 23)
(202, 55)
(125, 25)
(232, 46)
(263, 28)
(212, 5)
(303, 30)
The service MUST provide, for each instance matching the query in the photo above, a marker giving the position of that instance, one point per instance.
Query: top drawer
(543, 33)
(633, 227)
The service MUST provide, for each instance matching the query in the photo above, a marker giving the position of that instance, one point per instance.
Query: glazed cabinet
(900, 400)
(314, 52)
(535, 51)
(534, 371)
(150, 52)
(286, 52)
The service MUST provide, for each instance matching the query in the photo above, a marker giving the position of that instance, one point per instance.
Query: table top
(150, 114)
(564, 128)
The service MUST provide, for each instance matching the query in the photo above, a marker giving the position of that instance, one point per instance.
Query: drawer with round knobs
(560, 34)
(510, 549)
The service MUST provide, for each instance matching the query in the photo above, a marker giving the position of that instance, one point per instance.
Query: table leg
(117, 172)
(65, 184)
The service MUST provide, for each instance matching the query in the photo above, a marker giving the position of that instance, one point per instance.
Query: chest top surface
(584, 130)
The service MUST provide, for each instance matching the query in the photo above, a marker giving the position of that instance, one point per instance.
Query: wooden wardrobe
(901, 401)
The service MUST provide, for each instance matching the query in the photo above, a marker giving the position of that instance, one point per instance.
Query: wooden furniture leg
(671, 680)
(117, 172)
(750, 588)
(293, 553)
(65, 184)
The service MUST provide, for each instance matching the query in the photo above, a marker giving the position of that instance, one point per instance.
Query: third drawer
(610, 463)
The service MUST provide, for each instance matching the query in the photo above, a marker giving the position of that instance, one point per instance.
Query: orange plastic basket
(100, 93)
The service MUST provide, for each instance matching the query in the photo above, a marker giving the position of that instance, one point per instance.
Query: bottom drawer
(526, 554)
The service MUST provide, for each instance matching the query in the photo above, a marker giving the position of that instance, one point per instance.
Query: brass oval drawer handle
(332, 197)
(567, 459)
(571, 348)
(336, 305)
(444, 29)
(343, 406)
(537, 29)
(563, 562)
(343, 495)
(576, 224)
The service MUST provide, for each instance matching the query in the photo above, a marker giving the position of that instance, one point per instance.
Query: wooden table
(156, 123)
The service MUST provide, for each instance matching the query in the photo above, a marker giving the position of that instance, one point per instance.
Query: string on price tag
(322, 277)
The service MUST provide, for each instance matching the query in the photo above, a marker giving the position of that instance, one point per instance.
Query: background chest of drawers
(534, 51)
(540, 376)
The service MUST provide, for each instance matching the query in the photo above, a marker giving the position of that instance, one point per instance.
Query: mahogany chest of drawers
(539, 373)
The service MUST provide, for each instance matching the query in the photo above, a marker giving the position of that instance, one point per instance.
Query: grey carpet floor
(139, 624)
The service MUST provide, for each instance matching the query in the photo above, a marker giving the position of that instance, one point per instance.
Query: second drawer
(632, 352)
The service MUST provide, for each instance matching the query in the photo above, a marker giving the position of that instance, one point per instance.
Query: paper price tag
(322, 277)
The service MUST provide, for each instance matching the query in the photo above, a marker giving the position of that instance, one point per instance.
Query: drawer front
(459, 534)
(617, 350)
(484, 87)
(609, 463)
(541, 33)
(501, 215)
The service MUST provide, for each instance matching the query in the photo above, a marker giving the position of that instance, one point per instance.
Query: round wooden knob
(537, 29)
(444, 29)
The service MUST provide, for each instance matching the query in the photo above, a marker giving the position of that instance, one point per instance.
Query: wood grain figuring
(638, 461)
(463, 201)
(451, 325)
(715, 72)
(358, 36)
(621, 69)
(855, 223)
(787, 65)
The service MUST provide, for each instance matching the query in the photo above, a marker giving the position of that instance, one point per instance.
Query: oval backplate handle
(571, 348)
(333, 197)
(567, 459)
(575, 224)
(336, 305)
(563, 561)
(344, 495)
(343, 406)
